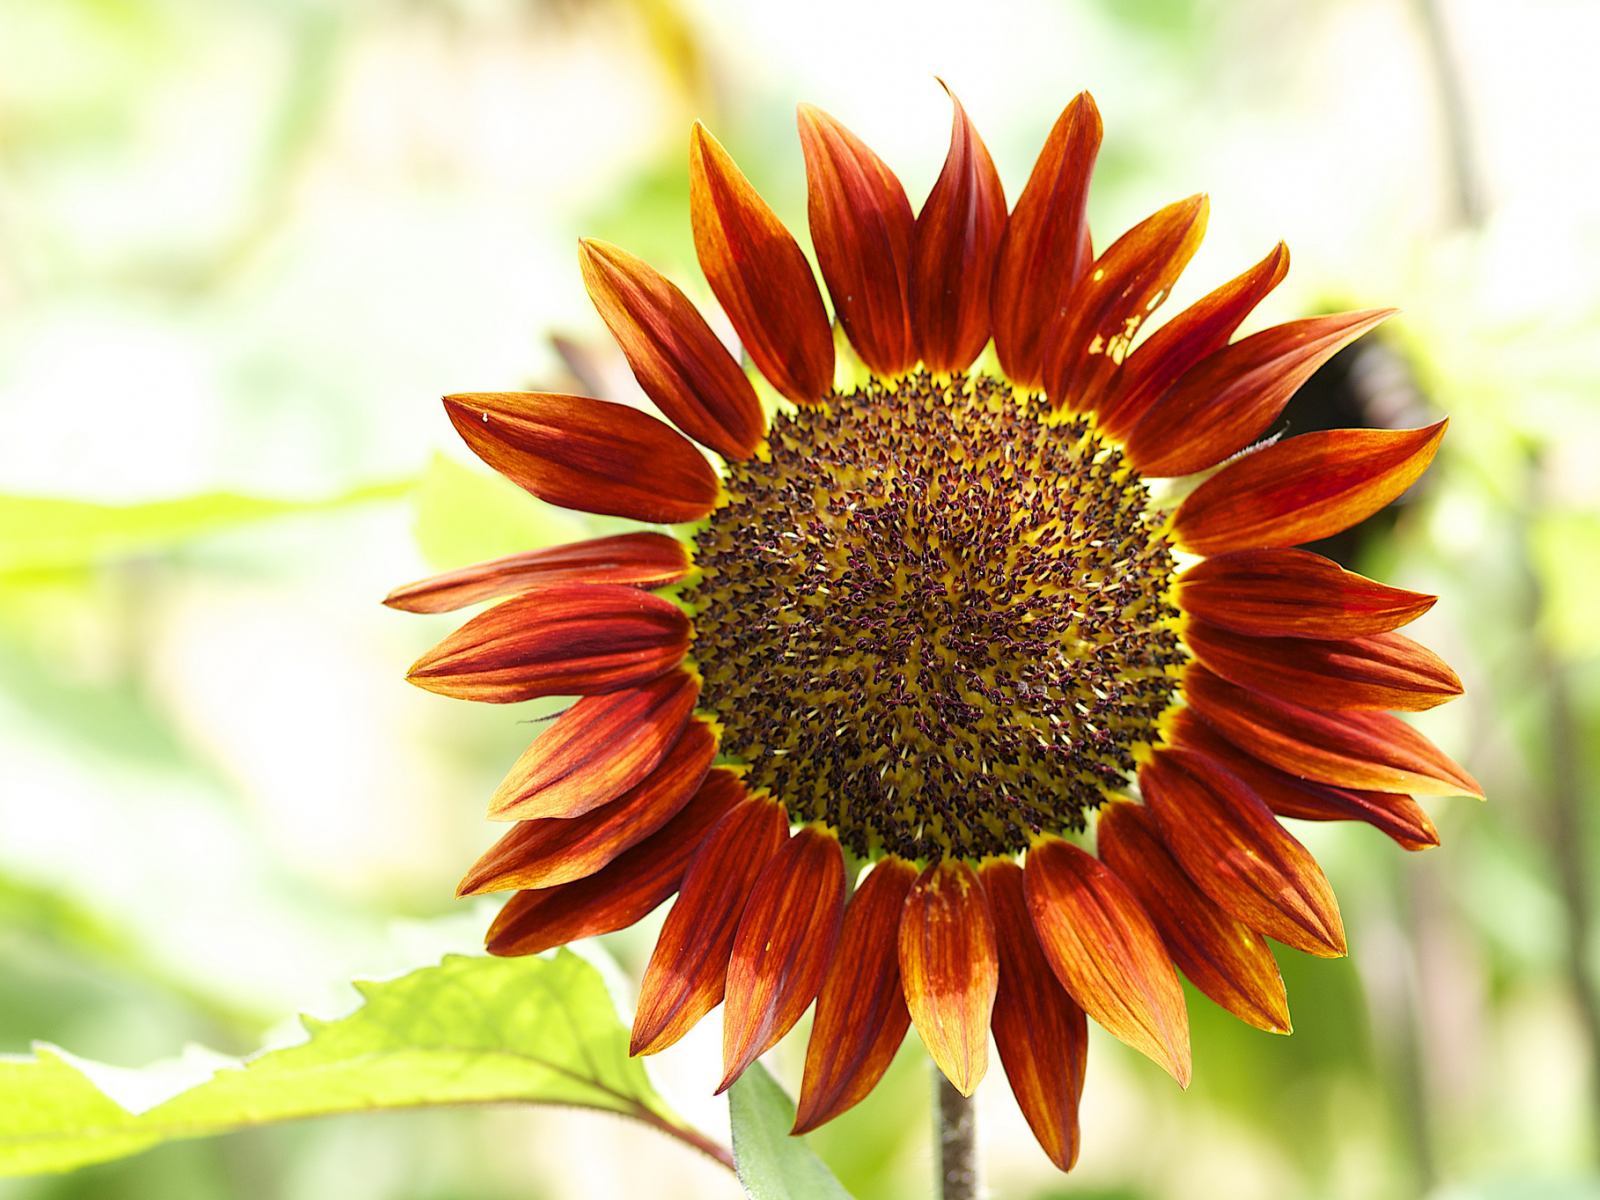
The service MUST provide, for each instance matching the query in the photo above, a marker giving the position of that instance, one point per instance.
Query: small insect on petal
(1308, 487)
(861, 1016)
(623, 891)
(1397, 815)
(637, 559)
(758, 274)
(571, 639)
(1045, 249)
(689, 968)
(957, 236)
(782, 949)
(1106, 953)
(590, 455)
(1231, 845)
(1095, 326)
(862, 227)
(1227, 400)
(596, 751)
(951, 968)
(1293, 593)
(554, 850)
(681, 365)
(1205, 326)
(1367, 750)
(1039, 1030)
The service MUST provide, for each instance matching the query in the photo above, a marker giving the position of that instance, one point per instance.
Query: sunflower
(930, 618)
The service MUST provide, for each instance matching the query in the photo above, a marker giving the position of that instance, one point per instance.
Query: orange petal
(554, 850)
(639, 559)
(1205, 326)
(861, 1015)
(596, 751)
(1106, 953)
(1293, 593)
(627, 889)
(1221, 955)
(782, 950)
(678, 361)
(1231, 845)
(1227, 400)
(1040, 1032)
(1045, 249)
(1386, 670)
(1306, 488)
(566, 639)
(1399, 816)
(862, 228)
(1095, 327)
(759, 275)
(689, 967)
(952, 265)
(1368, 750)
(586, 454)
(951, 967)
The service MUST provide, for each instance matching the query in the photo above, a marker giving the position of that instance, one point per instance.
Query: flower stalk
(958, 1141)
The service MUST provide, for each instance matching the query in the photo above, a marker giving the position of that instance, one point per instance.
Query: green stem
(958, 1141)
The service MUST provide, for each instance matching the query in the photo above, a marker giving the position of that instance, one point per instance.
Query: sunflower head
(936, 619)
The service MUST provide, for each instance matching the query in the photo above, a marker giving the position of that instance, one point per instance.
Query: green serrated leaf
(771, 1164)
(469, 1031)
(56, 535)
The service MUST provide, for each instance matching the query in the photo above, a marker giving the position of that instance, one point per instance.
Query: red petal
(1228, 399)
(639, 559)
(689, 967)
(1040, 1032)
(1306, 488)
(586, 454)
(596, 751)
(1231, 845)
(1221, 955)
(1045, 249)
(863, 231)
(758, 274)
(1399, 816)
(951, 967)
(1200, 329)
(957, 237)
(1095, 326)
(1106, 953)
(1372, 751)
(678, 361)
(861, 1015)
(555, 850)
(782, 950)
(1293, 593)
(567, 639)
(1386, 670)
(619, 894)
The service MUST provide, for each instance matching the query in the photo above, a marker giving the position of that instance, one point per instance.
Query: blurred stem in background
(1564, 819)
(1467, 188)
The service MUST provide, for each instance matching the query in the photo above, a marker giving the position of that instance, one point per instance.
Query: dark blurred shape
(1367, 385)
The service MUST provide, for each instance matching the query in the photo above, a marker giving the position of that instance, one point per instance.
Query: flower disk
(935, 617)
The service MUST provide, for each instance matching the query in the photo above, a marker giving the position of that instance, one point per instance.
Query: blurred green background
(244, 246)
